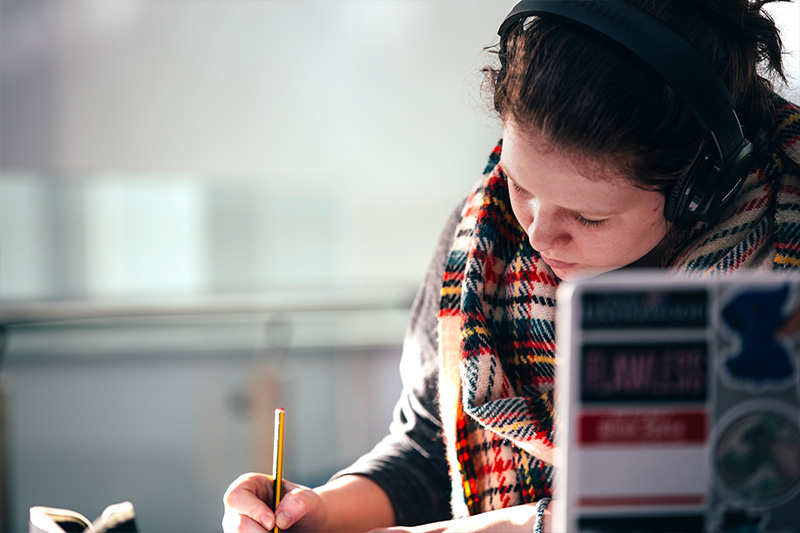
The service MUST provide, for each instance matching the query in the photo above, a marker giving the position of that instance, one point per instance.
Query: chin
(577, 274)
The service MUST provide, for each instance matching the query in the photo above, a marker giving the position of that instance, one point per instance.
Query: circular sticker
(757, 456)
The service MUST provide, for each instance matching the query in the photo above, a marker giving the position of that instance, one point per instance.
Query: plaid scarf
(497, 328)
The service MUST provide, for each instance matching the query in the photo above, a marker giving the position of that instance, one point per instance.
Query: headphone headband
(692, 77)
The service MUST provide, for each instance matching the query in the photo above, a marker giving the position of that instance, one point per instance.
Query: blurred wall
(196, 147)
(202, 147)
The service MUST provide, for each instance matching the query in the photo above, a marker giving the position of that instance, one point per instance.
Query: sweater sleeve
(409, 464)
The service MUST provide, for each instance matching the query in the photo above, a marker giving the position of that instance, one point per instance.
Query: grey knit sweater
(409, 463)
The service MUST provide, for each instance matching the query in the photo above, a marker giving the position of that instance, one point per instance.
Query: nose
(546, 230)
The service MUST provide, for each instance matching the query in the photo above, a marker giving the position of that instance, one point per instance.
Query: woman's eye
(580, 218)
(588, 222)
(518, 189)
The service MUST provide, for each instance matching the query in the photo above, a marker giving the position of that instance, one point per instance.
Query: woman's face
(581, 226)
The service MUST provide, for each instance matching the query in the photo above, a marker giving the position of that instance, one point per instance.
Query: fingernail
(282, 520)
(266, 521)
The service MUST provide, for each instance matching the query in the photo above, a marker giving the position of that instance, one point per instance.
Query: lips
(554, 263)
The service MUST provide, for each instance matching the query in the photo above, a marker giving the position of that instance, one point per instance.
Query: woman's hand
(246, 509)
(347, 504)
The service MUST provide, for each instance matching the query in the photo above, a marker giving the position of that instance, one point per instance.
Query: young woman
(592, 174)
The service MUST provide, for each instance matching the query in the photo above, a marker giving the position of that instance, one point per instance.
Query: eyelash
(518, 189)
(587, 222)
(578, 217)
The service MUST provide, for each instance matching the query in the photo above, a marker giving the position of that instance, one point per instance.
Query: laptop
(678, 402)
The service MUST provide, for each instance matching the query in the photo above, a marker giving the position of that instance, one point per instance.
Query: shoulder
(786, 136)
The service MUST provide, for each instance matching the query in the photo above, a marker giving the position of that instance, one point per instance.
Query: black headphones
(716, 176)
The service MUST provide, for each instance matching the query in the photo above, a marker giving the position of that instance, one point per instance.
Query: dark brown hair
(589, 96)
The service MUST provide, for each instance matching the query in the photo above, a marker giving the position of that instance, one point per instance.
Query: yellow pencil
(277, 459)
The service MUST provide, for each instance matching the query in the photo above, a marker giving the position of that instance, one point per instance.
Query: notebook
(678, 404)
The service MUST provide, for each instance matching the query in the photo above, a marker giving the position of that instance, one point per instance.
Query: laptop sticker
(755, 317)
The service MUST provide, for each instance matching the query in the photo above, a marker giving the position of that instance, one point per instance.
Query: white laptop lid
(678, 403)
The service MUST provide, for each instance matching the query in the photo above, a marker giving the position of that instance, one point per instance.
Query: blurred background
(212, 208)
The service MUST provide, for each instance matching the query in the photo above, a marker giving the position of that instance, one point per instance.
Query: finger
(258, 484)
(246, 496)
(233, 522)
(295, 505)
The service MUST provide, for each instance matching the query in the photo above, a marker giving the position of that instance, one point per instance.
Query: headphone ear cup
(708, 188)
(673, 198)
(686, 188)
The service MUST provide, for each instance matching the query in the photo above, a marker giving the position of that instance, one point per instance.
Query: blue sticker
(756, 316)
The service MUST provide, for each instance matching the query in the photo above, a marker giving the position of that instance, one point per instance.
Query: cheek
(648, 231)
(596, 247)
(657, 223)
(649, 222)
(623, 243)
